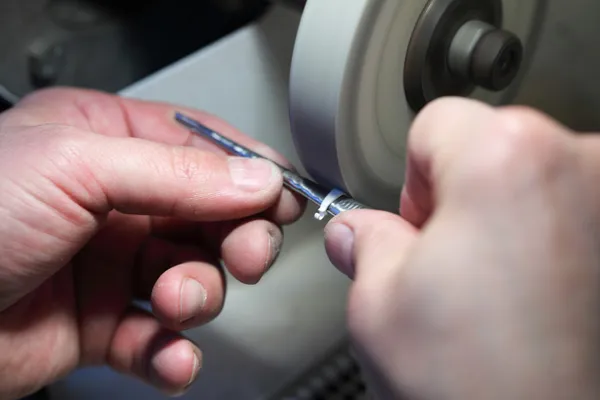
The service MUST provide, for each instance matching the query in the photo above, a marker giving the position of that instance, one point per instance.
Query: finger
(157, 255)
(479, 156)
(368, 245)
(111, 115)
(188, 295)
(140, 177)
(371, 247)
(288, 209)
(248, 247)
(433, 146)
(290, 206)
(193, 232)
(98, 270)
(143, 348)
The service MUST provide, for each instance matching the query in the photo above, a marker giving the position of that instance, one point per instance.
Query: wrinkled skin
(106, 200)
(489, 286)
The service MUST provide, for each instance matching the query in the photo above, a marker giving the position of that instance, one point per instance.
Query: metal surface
(463, 45)
(496, 60)
(331, 202)
(439, 36)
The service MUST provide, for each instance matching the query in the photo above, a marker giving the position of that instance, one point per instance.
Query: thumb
(367, 244)
(142, 177)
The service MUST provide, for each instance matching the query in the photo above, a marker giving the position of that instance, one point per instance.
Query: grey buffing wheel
(360, 74)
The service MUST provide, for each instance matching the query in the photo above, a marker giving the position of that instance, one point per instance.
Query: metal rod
(307, 188)
(331, 202)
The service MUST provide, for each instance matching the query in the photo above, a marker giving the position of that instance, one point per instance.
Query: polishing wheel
(362, 69)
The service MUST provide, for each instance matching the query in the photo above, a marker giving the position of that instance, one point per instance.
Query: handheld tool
(328, 201)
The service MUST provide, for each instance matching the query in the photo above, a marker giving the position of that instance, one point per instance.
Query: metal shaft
(309, 189)
(331, 202)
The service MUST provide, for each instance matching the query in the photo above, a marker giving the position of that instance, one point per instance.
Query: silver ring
(327, 202)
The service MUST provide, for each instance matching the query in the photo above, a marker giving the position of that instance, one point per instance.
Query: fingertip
(174, 365)
(360, 237)
(339, 246)
(188, 295)
(426, 130)
(250, 249)
(255, 175)
(163, 358)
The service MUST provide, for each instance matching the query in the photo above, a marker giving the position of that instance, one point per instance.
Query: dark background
(106, 44)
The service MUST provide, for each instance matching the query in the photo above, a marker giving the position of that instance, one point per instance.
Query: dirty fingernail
(275, 244)
(192, 299)
(251, 174)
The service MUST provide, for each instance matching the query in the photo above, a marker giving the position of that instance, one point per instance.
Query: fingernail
(339, 243)
(275, 244)
(169, 354)
(191, 299)
(195, 370)
(251, 174)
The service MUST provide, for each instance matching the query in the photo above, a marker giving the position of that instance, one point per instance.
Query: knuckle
(526, 150)
(188, 164)
(532, 140)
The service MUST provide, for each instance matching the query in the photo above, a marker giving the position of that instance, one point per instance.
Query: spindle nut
(496, 60)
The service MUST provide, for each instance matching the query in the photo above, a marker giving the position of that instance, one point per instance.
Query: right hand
(489, 286)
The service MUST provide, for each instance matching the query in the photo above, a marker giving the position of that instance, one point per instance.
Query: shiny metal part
(463, 46)
(332, 202)
(457, 46)
(327, 202)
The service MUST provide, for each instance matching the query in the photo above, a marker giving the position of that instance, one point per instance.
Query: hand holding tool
(328, 201)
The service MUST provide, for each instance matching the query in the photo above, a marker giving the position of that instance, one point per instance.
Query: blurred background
(106, 44)
(110, 44)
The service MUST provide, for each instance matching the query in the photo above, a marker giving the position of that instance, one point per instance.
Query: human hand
(489, 286)
(106, 200)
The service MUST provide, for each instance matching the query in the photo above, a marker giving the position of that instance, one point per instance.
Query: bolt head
(496, 60)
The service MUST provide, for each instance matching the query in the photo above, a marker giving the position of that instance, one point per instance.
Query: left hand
(106, 200)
